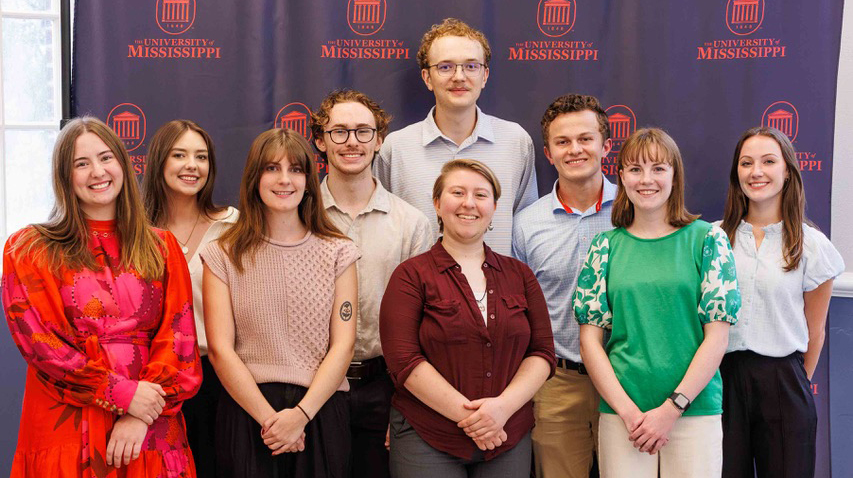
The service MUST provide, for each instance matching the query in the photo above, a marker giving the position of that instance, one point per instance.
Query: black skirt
(241, 453)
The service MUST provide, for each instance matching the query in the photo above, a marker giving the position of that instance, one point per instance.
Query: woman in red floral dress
(100, 306)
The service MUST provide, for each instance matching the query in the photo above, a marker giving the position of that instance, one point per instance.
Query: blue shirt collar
(608, 194)
(482, 130)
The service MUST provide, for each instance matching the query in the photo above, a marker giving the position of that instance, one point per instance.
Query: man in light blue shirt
(454, 61)
(552, 236)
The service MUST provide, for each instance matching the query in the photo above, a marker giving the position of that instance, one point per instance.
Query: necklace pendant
(185, 249)
(481, 306)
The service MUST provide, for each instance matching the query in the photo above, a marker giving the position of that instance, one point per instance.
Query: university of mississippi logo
(744, 16)
(295, 116)
(175, 16)
(128, 122)
(623, 122)
(555, 18)
(366, 17)
(784, 117)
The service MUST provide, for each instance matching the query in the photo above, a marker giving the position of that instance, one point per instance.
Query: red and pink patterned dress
(88, 336)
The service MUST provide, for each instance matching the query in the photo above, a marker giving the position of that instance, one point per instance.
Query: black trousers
(769, 417)
(369, 406)
(200, 415)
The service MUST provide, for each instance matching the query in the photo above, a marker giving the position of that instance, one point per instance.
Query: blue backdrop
(703, 70)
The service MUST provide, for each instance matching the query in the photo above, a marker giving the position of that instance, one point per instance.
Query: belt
(367, 368)
(569, 365)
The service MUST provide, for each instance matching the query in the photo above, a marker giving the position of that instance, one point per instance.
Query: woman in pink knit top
(279, 292)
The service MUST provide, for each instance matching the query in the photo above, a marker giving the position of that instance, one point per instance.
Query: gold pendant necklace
(183, 244)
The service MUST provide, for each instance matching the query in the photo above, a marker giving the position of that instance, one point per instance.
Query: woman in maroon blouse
(467, 338)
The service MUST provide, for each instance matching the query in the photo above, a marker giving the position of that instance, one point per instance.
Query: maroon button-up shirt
(429, 313)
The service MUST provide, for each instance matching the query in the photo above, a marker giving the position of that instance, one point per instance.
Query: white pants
(695, 450)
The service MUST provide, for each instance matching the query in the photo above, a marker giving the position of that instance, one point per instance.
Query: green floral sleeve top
(654, 295)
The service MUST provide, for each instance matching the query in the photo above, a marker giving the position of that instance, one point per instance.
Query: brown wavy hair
(451, 27)
(251, 228)
(652, 144)
(63, 241)
(793, 197)
(571, 104)
(471, 165)
(320, 117)
(154, 195)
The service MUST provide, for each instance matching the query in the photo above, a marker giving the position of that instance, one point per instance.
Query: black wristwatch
(681, 402)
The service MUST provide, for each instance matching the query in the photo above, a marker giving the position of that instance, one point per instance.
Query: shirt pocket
(515, 315)
(446, 323)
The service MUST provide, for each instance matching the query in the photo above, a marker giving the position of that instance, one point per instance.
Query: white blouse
(772, 320)
(197, 271)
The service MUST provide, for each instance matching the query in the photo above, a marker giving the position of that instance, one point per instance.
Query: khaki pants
(566, 431)
(695, 450)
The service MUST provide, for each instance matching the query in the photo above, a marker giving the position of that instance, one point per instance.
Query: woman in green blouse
(663, 283)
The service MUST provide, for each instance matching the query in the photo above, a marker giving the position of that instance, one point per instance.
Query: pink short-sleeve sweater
(282, 303)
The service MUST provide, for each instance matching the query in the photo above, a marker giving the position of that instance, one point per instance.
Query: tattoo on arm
(346, 311)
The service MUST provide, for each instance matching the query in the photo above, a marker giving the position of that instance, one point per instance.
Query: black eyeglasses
(448, 68)
(341, 135)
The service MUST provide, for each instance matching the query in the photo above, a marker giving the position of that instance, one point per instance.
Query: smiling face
(282, 185)
(352, 157)
(187, 166)
(762, 171)
(575, 146)
(457, 91)
(466, 205)
(96, 177)
(648, 184)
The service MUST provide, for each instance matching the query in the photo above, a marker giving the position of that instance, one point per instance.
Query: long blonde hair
(63, 241)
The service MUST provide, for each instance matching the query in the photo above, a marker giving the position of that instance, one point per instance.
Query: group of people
(470, 329)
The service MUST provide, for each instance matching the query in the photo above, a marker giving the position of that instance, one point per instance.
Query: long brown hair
(248, 233)
(153, 182)
(64, 238)
(793, 197)
(652, 144)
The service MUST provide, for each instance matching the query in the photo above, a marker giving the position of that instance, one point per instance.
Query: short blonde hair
(471, 165)
(652, 144)
(451, 27)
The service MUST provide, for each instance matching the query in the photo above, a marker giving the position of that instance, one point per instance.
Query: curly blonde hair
(451, 27)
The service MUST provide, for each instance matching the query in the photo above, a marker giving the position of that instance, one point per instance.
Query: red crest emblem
(623, 122)
(128, 122)
(295, 116)
(175, 16)
(366, 17)
(555, 18)
(783, 116)
(744, 16)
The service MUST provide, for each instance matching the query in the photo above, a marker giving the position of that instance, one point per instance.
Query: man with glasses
(454, 60)
(348, 129)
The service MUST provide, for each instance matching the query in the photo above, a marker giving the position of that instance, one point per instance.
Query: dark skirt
(240, 450)
(200, 415)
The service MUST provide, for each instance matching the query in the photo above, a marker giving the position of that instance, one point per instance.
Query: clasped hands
(128, 432)
(284, 431)
(649, 431)
(486, 424)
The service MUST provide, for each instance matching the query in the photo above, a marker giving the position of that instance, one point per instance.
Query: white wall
(842, 170)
